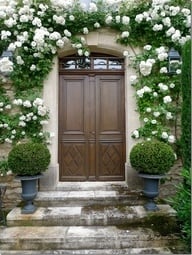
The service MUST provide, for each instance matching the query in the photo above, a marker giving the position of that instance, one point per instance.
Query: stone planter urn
(27, 161)
(29, 188)
(152, 159)
(151, 190)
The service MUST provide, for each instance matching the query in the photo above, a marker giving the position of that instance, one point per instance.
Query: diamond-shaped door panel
(111, 158)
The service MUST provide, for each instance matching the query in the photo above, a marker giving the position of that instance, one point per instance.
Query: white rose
(86, 53)
(60, 43)
(157, 27)
(85, 30)
(125, 20)
(147, 89)
(118, 19)
(176, 36)
(67, 33)
(153, 122)
(42, 110)
(148, 109)
(97, 25)
(172, 85)
(108, 19)
(125, 34)
(22, 124)
(92, 7)
(147, 47)
(27, 104)
(155, 94)
(162, 56)
(170, 31)
(167, 22)
(156, 114)
(19, 60)
(186, 11)
(135, 134)
(8, 107)
(145, 67)
(178, 71)
(163, 70)
(7, 140)
(125, 53)
(171, 139)
(71, 18)
(32, 67)
(167, 99)
(133, 79)
(164, 135)
(38, 101)
(140, 92)
(139, 18)
(22, 117)
(80, 52)
(169, 116)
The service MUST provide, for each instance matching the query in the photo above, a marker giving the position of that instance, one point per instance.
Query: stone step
(96, 215)
(82, 238)
(155, 250)
(87, 198)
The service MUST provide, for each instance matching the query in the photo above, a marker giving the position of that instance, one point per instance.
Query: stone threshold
(72, 197)
(79, 186)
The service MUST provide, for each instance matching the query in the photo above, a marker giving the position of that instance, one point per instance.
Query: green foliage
(29, 158)
(182, 204)
(182, 200)
(24, 79)
(186, 106)
(153, 157)
(50, 27)
(4, 168)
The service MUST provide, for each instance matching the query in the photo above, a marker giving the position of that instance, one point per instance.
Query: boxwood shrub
(29, 158)
(152, 157)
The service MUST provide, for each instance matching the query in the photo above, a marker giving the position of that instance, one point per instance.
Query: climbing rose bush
(34, 32)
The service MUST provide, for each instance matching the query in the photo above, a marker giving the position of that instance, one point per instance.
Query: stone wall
(168, 187)
(13, 192)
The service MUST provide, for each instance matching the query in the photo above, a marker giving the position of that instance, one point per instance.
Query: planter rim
(152, 176)
(28, 177)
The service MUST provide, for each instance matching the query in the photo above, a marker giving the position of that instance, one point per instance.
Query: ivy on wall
(33, 31)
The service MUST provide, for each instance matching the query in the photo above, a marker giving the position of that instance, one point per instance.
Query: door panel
(110, 128)
(110, 158)
(108, 106)
(72, 128)
(91, 128)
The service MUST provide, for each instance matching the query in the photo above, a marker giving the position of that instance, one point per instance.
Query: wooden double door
(91, 128)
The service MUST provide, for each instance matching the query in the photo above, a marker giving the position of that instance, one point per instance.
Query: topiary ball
(29, 158)
(152, 157)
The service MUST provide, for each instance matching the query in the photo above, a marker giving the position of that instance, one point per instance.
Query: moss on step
(161, 223)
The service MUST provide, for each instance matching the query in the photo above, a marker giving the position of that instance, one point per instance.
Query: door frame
(99, 41)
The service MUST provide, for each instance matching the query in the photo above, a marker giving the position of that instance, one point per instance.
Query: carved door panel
(91, 128)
